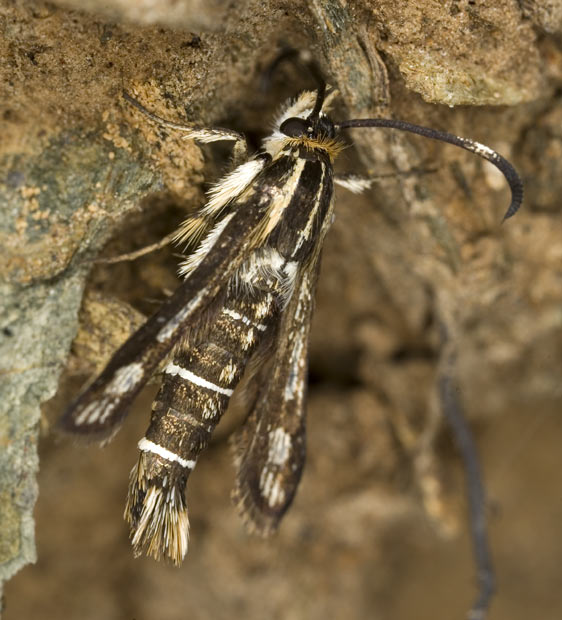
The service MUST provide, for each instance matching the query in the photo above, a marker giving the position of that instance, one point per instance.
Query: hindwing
(269, 449)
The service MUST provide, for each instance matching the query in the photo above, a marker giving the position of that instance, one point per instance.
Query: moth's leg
(129, 256)
(453, 412)
(358, 183)
(201, 134)
(198, 133)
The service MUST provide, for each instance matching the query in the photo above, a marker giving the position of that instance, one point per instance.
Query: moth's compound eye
(294, 127)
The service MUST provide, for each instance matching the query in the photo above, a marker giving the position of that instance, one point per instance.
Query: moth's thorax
(306, 146)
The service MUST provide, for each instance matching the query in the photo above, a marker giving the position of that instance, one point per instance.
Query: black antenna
(307, 61)
(508, 171)
(320, 95)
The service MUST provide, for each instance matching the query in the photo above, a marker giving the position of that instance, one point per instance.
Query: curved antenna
(320, 96)
(508, 171)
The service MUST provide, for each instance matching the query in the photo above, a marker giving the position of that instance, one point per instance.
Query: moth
(244, 306)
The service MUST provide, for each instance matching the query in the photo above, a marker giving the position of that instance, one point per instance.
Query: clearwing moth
(245, 303)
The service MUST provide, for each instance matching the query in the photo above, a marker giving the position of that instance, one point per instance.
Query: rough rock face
(80, 169)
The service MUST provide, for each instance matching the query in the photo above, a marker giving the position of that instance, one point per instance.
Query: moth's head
(311, 127)
(300, 123)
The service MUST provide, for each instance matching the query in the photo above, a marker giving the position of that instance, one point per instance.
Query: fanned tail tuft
(156, 512)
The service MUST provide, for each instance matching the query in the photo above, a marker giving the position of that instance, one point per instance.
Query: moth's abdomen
(196, 388)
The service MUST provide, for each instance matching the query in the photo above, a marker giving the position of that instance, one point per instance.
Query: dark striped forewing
(101, 407)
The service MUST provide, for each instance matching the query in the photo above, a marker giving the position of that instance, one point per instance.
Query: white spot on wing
(293, 384)
(125, 379)
(271, 488)
(279, 447)
(276, 493)
(92, 412)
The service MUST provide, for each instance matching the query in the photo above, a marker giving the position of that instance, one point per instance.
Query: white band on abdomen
(145, 445)
(173, 369)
